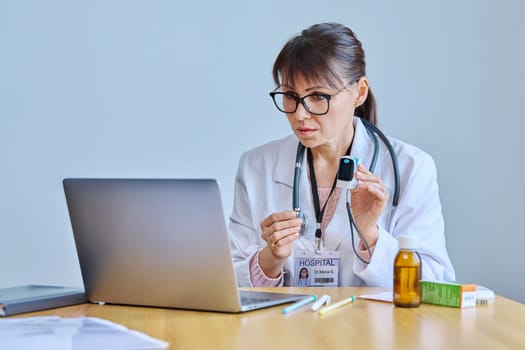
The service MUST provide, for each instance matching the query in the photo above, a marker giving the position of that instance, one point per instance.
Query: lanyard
(319, 212)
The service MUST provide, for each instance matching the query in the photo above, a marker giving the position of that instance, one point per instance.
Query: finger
(367, 177)
(281, 226)
(277, 229)
(288, 237)
(361, 169)
(280, 216)
(379, 192)
(363, 177)
(272, 227)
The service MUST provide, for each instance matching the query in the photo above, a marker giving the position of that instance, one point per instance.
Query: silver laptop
(157, 242)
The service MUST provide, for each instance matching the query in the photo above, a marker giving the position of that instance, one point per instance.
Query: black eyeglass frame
(301, 99)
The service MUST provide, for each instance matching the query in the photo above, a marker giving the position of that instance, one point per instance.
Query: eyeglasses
(316, 103)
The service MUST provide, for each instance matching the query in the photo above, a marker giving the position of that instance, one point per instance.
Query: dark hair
(303, 269)
(328, 52)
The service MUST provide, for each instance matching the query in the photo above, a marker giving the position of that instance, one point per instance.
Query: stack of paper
(84, 333)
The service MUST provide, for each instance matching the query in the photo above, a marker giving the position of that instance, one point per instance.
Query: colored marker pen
(337, 305)
(325, 299)
(299, 304)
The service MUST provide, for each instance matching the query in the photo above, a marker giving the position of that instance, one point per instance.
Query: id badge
(316, 269)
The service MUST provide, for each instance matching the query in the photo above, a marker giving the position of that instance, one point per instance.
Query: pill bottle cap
(406, 242)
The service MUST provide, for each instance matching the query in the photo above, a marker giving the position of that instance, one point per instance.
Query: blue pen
(299, 304)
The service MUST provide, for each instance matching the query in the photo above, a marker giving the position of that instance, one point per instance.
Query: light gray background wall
(179, 89)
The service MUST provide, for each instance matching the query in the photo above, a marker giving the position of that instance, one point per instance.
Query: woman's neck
(326, 160)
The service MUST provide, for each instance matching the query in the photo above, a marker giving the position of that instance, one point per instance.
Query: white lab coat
(264, 184)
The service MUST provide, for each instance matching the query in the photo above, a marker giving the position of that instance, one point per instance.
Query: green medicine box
(448, 294)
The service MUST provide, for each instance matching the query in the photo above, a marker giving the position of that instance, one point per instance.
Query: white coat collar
(285, 165)
(363, 144)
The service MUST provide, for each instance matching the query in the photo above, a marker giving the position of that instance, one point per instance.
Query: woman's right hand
(279, 230)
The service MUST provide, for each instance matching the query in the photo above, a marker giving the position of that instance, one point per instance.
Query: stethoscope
(374, 132)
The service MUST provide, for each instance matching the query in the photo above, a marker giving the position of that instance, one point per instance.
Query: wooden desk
(361, 325)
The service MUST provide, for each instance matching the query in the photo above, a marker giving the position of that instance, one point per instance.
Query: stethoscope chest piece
(304, 225)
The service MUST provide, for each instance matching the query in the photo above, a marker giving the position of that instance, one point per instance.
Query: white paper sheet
(82, 333)
(382, 296)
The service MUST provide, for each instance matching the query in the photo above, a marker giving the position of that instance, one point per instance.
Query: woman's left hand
(368, 202)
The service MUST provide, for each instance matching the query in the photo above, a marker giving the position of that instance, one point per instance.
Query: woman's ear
(362, 91)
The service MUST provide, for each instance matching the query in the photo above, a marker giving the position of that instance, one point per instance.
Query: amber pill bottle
(407, 273)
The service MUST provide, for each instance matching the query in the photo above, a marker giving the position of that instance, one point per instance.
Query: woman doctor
(323, 90)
